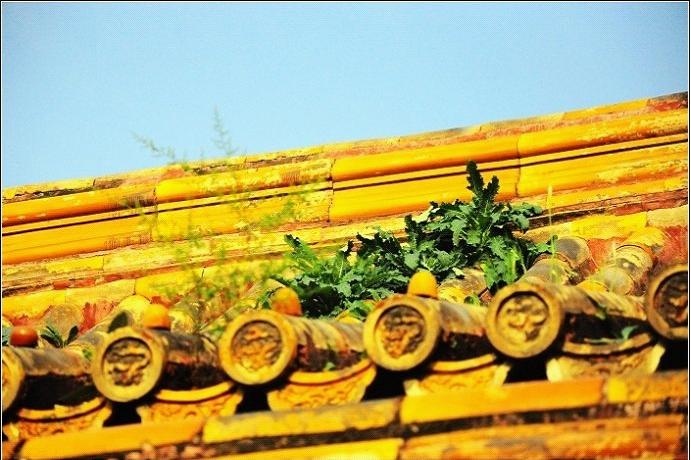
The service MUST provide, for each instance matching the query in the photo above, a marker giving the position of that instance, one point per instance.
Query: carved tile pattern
(24, 429)
(521, 317)
(161, 411)
(401, 330)
(436, 382)
(125, 361)
(257, 345)
(634, 362)
(346, 391)
(672, 300)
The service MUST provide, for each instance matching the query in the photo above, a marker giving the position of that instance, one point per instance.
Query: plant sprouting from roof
(328, 286)
(443, 240)
(210, 289)
(451, 236)
(51, 335)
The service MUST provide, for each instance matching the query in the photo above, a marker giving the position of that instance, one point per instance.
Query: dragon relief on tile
(435, 382)
(521, 318)
(401, 330)
(161, 411)
(125, 362)
(257, 345)
(672, 300)
(22, 428)
(642, 361)
(305, 396)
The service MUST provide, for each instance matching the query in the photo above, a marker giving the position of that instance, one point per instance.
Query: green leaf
(52, 336)
(264, 299)
(522, 222)
(600, 311)
(120, 320)
(6, 331)
(472, 299)
(475, 182)
(86, 352)
(492, 189)
(344, 289)
(457, 230)
(498, 247)
(625, 333)
(492, 277)
(74, 331)
(412, 260)
(474, 237)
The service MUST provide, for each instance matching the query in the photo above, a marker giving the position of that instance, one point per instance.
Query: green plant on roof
(216, 282)
(6, 331)
(329, 285)
(451, 236)
(618, 336)
(443, 240)
(51, 335)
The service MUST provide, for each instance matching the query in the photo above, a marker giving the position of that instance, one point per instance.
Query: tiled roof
(420, 377)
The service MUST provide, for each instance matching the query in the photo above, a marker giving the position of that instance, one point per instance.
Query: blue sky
(78, 80)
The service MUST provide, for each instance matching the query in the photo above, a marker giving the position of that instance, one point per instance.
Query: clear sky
(78, 80)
